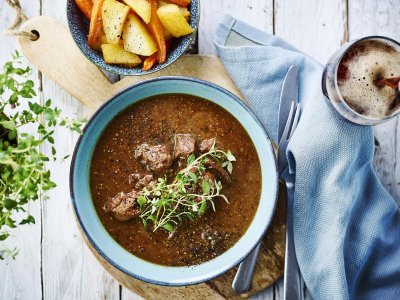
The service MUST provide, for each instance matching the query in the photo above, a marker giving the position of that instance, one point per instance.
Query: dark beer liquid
(367, 77)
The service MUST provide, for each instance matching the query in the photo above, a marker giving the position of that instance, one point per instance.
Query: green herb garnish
(23, 173)
(168, 204)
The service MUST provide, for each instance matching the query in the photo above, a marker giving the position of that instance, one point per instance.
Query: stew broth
(154, 121)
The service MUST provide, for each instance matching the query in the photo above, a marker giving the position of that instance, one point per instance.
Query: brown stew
(154, 121)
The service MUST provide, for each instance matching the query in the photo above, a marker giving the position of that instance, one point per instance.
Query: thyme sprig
(23, 173)
(187, 196)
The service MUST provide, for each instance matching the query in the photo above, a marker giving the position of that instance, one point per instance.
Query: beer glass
(330, 86)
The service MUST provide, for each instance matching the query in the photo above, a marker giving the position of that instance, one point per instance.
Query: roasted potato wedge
(137, 38)
(141, 7)
(185, 12)
(116, 54)
(114, 15)
(171, 17)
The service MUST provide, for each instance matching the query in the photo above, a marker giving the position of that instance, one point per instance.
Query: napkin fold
(346, 226)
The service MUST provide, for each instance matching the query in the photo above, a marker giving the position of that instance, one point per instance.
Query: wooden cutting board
(57, 57)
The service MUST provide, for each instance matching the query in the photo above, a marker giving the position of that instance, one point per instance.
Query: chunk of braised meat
(123, 206)
(184, 145)
(141, 180)
(206, 145)
(157, 159)
(217, 170)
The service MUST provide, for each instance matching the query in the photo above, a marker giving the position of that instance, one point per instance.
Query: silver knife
(244, 275)
(287, 125)
(289, 93)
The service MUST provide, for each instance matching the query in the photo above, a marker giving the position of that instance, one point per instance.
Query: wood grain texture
(316, 27)
(56, 40)
(192, 66)
(69, 270)
(386, 21)
(258, 13)
(21, 279)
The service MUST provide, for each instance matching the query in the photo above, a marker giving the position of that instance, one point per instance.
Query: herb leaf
(229, 156)
(205, 187)
(168, 226)
(23, 173)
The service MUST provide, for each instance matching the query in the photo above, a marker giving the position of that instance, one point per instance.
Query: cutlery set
(289, 115)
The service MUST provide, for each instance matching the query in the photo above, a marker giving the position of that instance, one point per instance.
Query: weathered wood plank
(127, 294)
(315, 27)
(69, 270)
(21, 279)
(369, 17)
(318, 28)
(257, 13)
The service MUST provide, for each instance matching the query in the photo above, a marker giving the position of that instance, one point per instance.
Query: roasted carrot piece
(96, 23)
(149, 62)
(85, 6)
(157, 30)
(183, 3)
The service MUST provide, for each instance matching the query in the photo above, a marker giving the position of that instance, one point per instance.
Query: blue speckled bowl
(79, 27)
(97, 234)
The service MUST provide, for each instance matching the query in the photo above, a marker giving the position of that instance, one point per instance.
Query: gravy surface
(154, 121)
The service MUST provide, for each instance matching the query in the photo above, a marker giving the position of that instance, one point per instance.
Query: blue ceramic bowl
(97, 234)
(79, 27)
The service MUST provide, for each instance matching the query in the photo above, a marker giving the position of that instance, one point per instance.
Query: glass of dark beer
(361, 80)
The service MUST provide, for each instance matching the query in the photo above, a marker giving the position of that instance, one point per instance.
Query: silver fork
(244, 275)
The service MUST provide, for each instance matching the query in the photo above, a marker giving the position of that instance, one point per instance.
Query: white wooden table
(54, 262)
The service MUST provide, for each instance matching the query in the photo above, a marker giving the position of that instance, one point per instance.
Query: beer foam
(365, 63)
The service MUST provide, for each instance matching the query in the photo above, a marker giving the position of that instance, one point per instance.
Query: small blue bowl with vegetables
(133, 37)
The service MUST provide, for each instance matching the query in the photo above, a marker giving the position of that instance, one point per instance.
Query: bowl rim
(243, 255)
(128, 71)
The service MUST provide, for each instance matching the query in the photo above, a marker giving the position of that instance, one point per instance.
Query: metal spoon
(244, 274)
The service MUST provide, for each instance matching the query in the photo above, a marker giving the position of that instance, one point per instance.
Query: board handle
(57, 56)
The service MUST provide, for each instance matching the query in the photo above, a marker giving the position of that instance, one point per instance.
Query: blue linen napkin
(346, 226)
